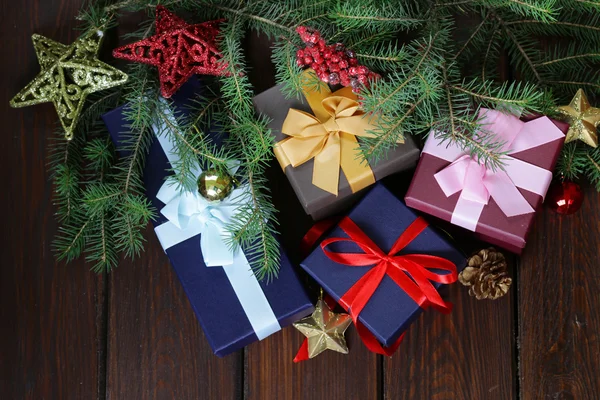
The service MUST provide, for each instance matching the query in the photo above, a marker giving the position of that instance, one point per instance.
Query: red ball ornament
(564, 197)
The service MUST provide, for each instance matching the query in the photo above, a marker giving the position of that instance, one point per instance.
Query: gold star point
(582, 118)
(69, 74)
(324, 330)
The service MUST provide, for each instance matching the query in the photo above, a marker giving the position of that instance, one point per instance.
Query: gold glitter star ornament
(583, 118)
(69, 74)
(324, 330)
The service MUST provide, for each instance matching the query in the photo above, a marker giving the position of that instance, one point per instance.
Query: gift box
(498, 205)
(233, 307)
(381, 232)
(321, 159)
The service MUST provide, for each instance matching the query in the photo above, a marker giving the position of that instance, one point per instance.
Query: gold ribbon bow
(328, 136)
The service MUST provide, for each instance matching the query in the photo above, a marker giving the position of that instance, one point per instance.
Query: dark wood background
(67, 333)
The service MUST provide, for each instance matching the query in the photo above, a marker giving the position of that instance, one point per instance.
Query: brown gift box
(317, 202)
(425, 194)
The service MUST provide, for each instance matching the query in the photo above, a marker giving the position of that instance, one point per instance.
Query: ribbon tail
(215, 251)
(372, 344)
(256, 306)
(357, 170)
(326, 168)
(302, 354)
(506, 194)
(466, 213)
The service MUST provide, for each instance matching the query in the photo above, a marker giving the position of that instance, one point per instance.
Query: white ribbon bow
(192, 214)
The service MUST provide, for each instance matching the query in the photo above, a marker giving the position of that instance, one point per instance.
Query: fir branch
(521, 49)
(569, 58)
(252, 227)
(242, 13)
(555, 23)
(571, 162)
(471, 37)
(593, 167)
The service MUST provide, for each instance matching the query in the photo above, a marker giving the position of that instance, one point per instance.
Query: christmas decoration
(582, 118)
(532, 149)
(333, 64)
(215, 185)
(324, 330)
(486, 275)
(565, 197)
(69, 74)
(424, 87)
(415, 262)
(178, 49)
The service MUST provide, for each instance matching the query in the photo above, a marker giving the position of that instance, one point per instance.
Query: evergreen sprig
(436, 74)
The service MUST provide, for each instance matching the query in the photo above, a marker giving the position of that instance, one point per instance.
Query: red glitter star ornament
(178, 49)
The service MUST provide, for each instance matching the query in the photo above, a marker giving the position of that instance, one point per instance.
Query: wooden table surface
(67, 333)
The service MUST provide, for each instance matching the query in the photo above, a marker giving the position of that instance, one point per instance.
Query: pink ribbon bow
(477, 184)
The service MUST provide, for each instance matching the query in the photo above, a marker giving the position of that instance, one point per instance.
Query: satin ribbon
(328, 136)
(477, 184)
(411, 272)
(189, 214)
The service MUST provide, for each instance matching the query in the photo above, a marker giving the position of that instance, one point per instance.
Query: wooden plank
(271, 374)
(156, 347)
(559, 317)
(52, 331)
(468, 354)
(465, 355)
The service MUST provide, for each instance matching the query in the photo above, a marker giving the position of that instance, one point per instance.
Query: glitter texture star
(178, 49)
(583, 118)
(324, 330)
(69, 74)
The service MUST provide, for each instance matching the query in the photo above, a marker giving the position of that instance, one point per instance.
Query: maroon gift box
(493, 225)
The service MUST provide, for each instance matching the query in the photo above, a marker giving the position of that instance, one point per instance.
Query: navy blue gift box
(209, 290)
(383, 218)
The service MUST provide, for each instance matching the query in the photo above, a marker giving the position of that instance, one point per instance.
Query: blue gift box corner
(383, 218)
(214, 301)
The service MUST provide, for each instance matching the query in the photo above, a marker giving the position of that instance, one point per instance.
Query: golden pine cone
(486, 275)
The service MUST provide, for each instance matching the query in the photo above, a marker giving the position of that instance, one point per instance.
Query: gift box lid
(211, 295)
(383, 218)
(316, 201)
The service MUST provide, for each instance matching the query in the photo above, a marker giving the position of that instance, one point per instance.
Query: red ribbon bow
(410, 272)
(397, 267)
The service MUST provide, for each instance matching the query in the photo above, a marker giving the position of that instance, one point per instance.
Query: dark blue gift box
(383, 218)
(211, 295)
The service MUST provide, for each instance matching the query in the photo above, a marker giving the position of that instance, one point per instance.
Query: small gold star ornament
(583, 118)
(324, 330)
(69, 74)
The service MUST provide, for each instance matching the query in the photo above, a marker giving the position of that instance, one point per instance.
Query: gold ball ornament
(215, 185)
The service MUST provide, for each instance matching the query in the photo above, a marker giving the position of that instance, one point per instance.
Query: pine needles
(436, 74)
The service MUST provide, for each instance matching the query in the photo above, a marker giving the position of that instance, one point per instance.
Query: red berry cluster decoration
(334, 63)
